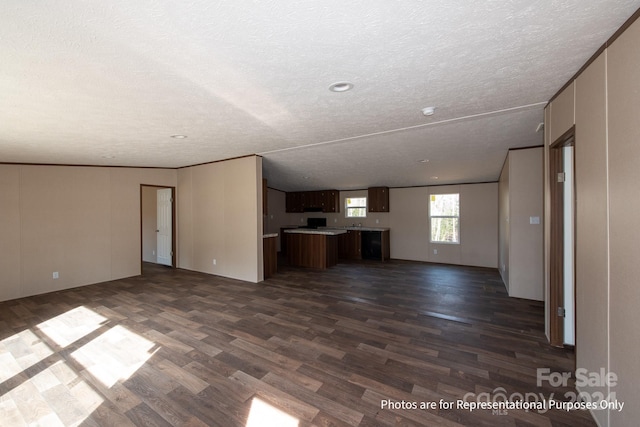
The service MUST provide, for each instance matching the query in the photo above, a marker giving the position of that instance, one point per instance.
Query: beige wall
(592, 270)
(409, 235)
(409, 222)
(607, 163)
(503, 223)
(220, 206)
(82, 222)
(149, 223)
(10, 234)
(562, 113)
(623, 59)
(525, 244)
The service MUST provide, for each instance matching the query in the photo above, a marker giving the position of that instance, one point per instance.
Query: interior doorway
(562, 242)
(157, 225)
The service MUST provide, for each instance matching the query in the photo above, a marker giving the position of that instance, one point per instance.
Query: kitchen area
(315, 230)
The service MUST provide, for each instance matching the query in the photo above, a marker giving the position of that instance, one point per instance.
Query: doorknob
(157, 231)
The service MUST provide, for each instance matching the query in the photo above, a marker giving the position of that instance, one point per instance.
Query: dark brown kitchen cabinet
(378, 199)
(270, 255)
(350, 245)
(331, 201)
(324, 200)
(294, 202)
(313, 199)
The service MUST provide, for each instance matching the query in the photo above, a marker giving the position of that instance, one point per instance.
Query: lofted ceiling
(109, 83)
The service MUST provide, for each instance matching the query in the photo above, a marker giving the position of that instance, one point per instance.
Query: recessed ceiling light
(424, 161)
(341, 87)
(433, 177)
(428, 111)
(179, 136)
(305, 177)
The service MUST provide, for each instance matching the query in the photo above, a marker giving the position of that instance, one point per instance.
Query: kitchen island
(314, 248)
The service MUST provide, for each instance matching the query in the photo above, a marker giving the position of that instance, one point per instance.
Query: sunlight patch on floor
(115, 355)
(262, 414)
(72, 325)
(55, 396)
(19, 352)
(53, 393)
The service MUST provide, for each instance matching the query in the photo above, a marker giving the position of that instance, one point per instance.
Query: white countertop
(266, 236)
(351, 227)
(324, 231)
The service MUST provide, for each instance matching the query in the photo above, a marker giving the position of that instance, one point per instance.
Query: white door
(164, 227)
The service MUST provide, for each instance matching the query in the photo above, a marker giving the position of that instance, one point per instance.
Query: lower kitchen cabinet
(364, 244)
(375, 245)
(350, 245)
(270, 255)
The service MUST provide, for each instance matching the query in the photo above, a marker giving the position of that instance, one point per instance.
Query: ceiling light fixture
(428, 111)
(424, 161)
(341, 87)
(433, 177)
(179, 136)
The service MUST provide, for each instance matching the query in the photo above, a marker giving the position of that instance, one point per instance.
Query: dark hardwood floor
(329, 348)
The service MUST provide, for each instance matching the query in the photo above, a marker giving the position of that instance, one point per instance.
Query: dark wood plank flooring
(178, 348)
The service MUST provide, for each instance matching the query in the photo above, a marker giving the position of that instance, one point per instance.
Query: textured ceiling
(107, 83)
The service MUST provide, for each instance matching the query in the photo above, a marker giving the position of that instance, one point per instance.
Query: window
(355, 207)
(444, 213)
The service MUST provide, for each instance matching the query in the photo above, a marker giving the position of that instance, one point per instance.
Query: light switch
(534, 220)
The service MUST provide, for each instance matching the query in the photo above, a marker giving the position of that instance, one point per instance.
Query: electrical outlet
(154, 252)
(214, 261)
(377, 221)
(56, 275)
(435, 252)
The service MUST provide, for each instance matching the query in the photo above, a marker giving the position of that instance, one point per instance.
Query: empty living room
(319, 214)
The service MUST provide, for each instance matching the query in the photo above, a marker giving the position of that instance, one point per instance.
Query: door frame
(556, 239)
(173, 222)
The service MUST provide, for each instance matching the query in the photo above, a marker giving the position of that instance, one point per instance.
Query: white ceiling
(107, 83)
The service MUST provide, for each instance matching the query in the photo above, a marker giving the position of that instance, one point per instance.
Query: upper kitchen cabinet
(294, 202)
(330, 201)
(378, 199)
(313, 200)
(318, 201)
